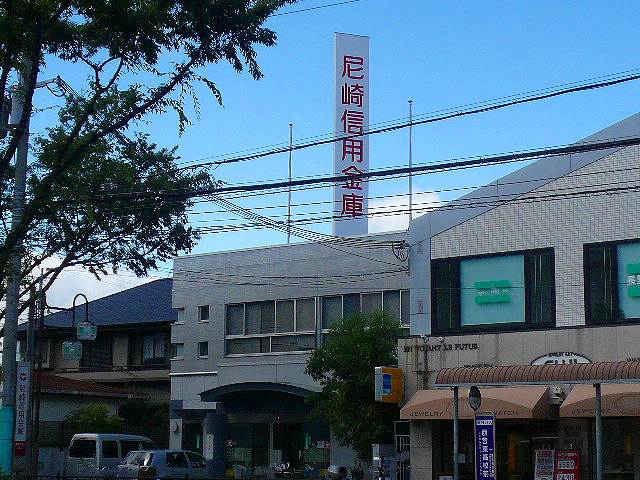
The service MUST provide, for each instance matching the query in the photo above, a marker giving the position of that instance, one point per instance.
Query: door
(82, 461)
(177, 465)
(197, 465)
(287, 438)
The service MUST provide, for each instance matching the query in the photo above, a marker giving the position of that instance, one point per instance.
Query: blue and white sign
(485, 439)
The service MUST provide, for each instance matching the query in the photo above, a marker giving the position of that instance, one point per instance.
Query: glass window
(350, 305)
(629, 280)
(331, 310)
(203, 349)
(82, 449)
(492, 290)
(180, 314)
(391, 303)
(178, 350)
(293, 343)
(253, 314)
(110, 449)
(306, 314)
(97, 354)
(147, 348)
(196, 460)
(127, 446)
(203, 313)
(176, 460)
(243, 345)
(405, 311)
(267, 317)
(235, 319)
(371, 302)
(284, 316)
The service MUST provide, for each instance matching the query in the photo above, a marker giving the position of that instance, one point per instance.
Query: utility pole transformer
(14, 274)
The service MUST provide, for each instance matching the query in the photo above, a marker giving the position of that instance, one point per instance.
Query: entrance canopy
(618, 400)
(513, 402)
(590, 373)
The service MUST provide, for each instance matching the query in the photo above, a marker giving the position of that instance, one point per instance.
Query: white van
(98, 454)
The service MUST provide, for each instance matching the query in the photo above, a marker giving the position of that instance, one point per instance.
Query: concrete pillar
(215, 434)
(421, 453)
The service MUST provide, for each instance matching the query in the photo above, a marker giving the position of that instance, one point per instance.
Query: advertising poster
(567, 465)
(545, 460)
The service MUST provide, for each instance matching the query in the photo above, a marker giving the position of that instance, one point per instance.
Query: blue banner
(485, 439)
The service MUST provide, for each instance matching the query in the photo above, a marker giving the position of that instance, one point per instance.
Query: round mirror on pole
(475, 398)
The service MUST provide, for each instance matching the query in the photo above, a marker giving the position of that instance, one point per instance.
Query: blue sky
(440, 54)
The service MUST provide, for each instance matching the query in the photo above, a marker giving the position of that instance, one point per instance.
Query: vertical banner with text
(351, 118)
(485, 440)
(23, 389)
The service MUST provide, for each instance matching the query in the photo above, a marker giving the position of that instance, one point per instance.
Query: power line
(318, 7)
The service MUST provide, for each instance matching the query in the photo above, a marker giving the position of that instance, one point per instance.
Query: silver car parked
(163, 464)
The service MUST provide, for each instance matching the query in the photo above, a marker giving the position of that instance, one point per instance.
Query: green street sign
(86, 331)
(71, 350)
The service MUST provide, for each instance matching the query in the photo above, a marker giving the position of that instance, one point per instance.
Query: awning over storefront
(618, 400)
(600, 372)
(508, 402)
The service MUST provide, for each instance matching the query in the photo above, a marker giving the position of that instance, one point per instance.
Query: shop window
(489, 292)
(203, 349)
(203, 313)
(293, 343)
(612, 282)
(306, 315)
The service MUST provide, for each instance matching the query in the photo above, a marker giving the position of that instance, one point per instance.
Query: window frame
(174, 346)
(200, 309)
(588, 317)
(497, 327)
(270, 335)
(200, 355)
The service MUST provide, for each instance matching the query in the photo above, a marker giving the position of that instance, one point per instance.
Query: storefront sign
(389, 384)
(544, 464)
(441, 347)
(567, 465)
(633, 272)
(493, 291)
(23, 388)
(351, 118)
(485, 440)
(560, 358)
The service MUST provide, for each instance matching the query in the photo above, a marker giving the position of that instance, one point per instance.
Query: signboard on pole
(567, 465)
(71, 350)
(544, 464)
(23, 388)
(389, 384)
(351, 118)
(485, 446)
(86, 331)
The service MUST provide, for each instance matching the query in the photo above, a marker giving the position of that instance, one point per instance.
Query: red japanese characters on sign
(567, 465)
(351, 119)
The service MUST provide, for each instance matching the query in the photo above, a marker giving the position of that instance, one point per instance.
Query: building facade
(541, 266)
(247, 321)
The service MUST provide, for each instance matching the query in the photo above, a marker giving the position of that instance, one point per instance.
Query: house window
(488, 292)
(97, 354)
(178, 350)
(203, 313)
(203, 349)
(148, 349)
(612, 282)
(180, 315)
(269, 326)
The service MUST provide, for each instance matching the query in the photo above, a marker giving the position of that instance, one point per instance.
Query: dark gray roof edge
(520, 182)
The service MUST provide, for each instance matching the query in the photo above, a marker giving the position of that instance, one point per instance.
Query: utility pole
(13, 278)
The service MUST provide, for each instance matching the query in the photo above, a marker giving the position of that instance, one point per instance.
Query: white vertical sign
(23, 388)
(351, 117)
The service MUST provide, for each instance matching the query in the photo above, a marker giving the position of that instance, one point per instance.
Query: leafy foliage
(100, 194)
(344, 368)
(94, 418)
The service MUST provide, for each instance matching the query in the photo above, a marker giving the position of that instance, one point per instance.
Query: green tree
(93, 418)
(100, 194)
(344, 368)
